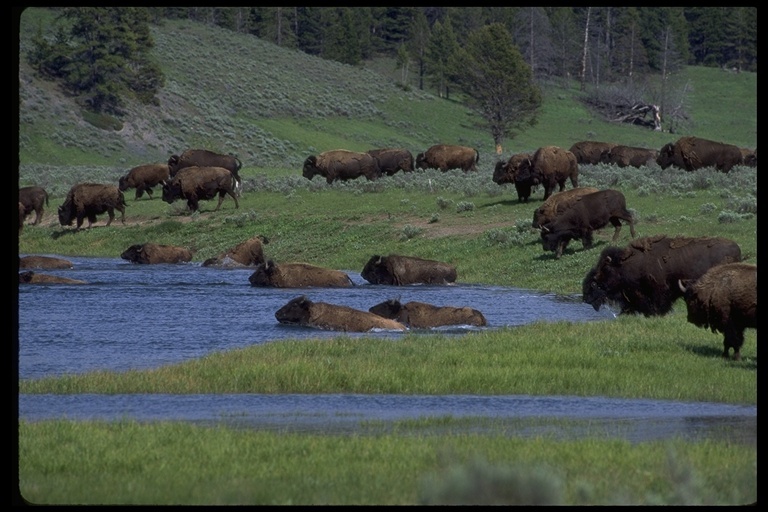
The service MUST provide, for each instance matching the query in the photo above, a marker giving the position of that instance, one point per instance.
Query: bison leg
(617, 224)
(38, 216)
(733, 337)
(111, 214)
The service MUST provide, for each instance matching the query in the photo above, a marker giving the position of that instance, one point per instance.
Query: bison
(33, 199)
(628, 156)
(302, 311)
(402, 270)
(557, 204)
(196, 183)
(447, 156)
(341, 164)
(143, 178)
(46, 262)
(391, 160)
(246, 254)
(298, 275)
(420, 315)
(551, 166)
(589, 151)
(31, 277)
(591, 212)
(206, 158)
(21, 217)
(642, 277)
(150, 253)
(749, 157)
(724, 300)
(691, 153)
(91, 199)
(516, 170)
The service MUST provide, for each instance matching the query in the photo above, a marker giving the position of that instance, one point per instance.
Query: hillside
(272, 107)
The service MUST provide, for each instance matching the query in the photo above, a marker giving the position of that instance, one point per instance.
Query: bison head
(666, 155)
(377, 271)
(171, 191)
(310, 167)
(66, 213)
(262, 276)
(603, 283)
(296, 311)
(388, 309)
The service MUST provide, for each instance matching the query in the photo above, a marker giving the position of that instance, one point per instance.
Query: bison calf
(302, 311)
(724, 300)
(421, 315)
(298, 275)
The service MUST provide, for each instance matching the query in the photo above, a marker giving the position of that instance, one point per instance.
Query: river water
(131, 316)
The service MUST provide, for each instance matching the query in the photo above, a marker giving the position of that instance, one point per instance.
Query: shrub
(464, 206)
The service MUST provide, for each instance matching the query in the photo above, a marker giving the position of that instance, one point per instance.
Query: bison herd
(645, 277)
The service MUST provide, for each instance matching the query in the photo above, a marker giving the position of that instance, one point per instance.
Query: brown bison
(391, 160)
(31, 277)
(589, 151)
(206, 158)
(91, 199)
(551, 166)
(46, 262)
(724, 300)
(302, 311)
(298, 275)
(33, 199)
(628, 156)
(691, 153)
(149, 254)
(749, 157)
(557, 204)
(143, 178)
(341, 164)
(196, 183)
(402, 270)
(420, 315)
(516, 170)
(579, 221)
(447, 156)
(245, 254)
(642, 277)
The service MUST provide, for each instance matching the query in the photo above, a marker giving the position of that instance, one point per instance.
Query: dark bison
(302, 311)
(298, 275)
(629, 156)
(21, 217)
(448, 156)
(33, 199)
(579, 221)
(391, 160)
(246, 254)
(196, 183)
(91, 199)
(401, 270)
(150, 253)
(691, 153)
(724, 300)
(206, 158)
(516, 170)
(143, 178)
(590, 151)
(341, 164)
(643, 276)
(749, 157)
(46, 262)
(31, 277)
(557, 204)
(420, 315)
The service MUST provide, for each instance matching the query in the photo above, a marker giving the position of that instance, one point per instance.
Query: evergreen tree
(440, 48)
(309, 30)
(101, 55)
(417, 41)
(497, 81)
(565, 42)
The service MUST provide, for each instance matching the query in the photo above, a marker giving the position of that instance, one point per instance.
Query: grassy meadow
(274, 107)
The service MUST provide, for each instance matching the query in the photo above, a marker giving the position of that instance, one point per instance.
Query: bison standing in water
(448, 156)
(420, 315)
(302, 311)
(143, 178)
(149, 254)
(196, 183)
(401, 270)
(643, 276)
(298, 275)
(32, 199)
(691, 153)
(91, 199)
(341, 164)
(46, 262)
(724, 300)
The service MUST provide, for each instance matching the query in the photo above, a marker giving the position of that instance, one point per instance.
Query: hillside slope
(272, 107)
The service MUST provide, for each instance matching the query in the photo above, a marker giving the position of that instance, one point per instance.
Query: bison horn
(681, 285)
(544, 229)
